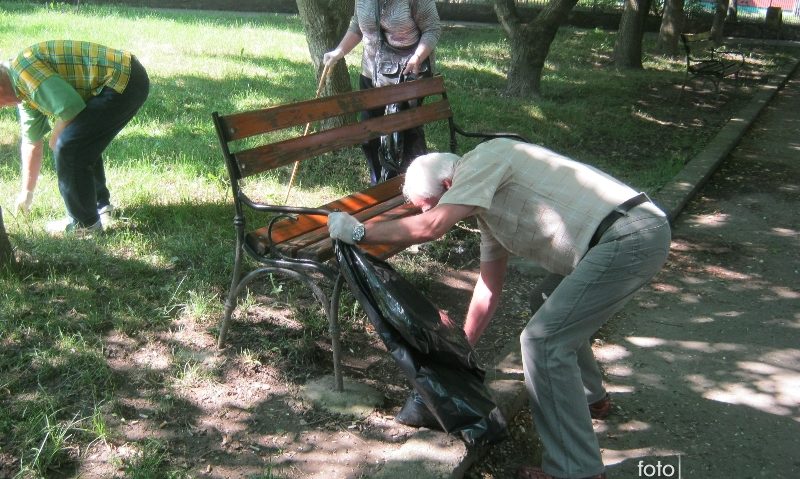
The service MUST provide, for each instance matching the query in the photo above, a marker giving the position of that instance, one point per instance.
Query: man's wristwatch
(358, 233)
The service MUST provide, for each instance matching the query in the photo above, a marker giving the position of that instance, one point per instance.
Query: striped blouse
(404, 22)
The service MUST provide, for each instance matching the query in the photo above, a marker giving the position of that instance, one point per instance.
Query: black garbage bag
(432, 352)
(398, 149)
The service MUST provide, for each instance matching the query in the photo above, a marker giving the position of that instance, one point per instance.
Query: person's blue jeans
(561, 374)
(79, 149)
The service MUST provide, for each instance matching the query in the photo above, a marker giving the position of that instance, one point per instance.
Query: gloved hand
(340, 226)
(332, 57)
(23, 201)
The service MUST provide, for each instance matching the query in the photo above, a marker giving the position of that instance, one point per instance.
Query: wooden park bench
(705, 60)
(293, 241)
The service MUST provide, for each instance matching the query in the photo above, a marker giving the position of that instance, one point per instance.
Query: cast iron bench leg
(333, 319)
(332, 307)
(233, 294)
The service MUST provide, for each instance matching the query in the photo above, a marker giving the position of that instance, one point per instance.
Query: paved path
(705, 365)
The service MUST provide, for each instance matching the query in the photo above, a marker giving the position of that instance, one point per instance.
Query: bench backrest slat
(697, 45)
(696, 37)
(274, 155)
(238, 126)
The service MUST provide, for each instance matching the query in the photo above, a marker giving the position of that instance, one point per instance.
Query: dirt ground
(240, 412)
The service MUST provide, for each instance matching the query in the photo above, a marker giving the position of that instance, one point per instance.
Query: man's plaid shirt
(87, 67)
(47, 76)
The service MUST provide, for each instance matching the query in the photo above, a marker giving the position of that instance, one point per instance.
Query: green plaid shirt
(54, 79)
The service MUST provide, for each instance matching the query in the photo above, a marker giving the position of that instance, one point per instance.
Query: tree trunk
(325, 23)
(671, 27)
(733, 11)
(6, 253)
(718, 25)
(628, 47)
(530, 43)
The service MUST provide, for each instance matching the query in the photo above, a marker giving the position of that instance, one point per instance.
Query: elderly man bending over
(605, 238)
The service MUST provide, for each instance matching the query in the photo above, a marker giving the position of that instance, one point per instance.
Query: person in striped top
(82, 94)
(405, 23)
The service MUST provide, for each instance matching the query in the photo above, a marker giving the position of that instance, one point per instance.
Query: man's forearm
(31, 156)
(485, 298)
(420, 228)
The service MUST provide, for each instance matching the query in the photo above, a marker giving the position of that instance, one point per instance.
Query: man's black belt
(616, 214)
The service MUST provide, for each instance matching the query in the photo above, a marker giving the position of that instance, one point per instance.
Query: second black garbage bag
(432, 352)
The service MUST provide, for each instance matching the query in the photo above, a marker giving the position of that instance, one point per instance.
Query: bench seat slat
(270, 156)
(287, 229)
(322, 250)
(316, 244)
(707, 66)
(297, 244)
(238, 126)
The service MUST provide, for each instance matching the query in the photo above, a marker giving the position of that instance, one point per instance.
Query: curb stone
(674, 196)
(435, 455)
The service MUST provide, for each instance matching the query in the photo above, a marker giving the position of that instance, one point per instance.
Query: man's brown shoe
(600, 409)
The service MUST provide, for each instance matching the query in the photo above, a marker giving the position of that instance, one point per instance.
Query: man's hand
(332, 57)
(341, 225)
(56, 133)
(23, 201)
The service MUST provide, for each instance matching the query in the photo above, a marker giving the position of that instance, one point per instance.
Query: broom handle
(322, 78)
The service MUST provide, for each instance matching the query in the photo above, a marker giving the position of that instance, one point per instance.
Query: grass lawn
(167, 261)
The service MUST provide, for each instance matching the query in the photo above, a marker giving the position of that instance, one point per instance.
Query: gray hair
(427, 172)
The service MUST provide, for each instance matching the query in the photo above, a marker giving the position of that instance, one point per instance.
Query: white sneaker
(106, 215)
(67, 226)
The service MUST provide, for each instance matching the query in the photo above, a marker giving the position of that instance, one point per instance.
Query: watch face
(358, 233)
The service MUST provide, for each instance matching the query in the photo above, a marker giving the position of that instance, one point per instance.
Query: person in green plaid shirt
(82, 94)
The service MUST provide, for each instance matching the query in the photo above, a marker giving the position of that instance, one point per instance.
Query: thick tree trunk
(671, 27)
(530, 43)
(733, 11)
(6, 253)
(628, 47)
(527, 62)
(325, 23)
(717, 27)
